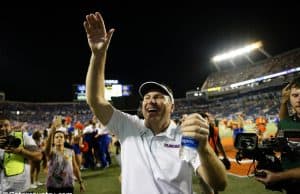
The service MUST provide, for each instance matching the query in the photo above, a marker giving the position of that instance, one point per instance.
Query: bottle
(188, 150)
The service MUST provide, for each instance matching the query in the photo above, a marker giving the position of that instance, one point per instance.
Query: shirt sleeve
(123, 125)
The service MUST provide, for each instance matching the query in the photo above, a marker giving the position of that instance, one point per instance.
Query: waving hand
(98, 38)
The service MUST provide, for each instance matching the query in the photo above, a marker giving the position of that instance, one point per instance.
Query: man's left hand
(195, 126)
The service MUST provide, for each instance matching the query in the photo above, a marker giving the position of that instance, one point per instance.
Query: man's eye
(159, 97)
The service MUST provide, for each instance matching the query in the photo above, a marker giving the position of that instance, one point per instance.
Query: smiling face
(156, 108)
(295, 99)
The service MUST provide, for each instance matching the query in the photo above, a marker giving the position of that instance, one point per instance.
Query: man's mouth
(152, 110)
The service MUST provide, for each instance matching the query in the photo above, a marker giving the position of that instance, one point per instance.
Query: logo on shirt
(172, 145)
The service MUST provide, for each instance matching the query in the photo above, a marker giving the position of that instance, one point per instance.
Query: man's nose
(153, 100)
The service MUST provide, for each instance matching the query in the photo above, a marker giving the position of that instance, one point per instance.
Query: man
(261, 127)
(88, 137)
(103, 142)
(150, 147)
(215, 140)
(291, 165)
(15, 169)
(237, 126)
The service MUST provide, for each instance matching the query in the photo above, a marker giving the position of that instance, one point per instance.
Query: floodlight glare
(234, 53)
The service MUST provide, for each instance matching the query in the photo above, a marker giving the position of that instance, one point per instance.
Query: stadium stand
(258, 98)
(285, 61)
(43, 113)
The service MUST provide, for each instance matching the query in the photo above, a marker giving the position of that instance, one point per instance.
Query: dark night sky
(43, 51)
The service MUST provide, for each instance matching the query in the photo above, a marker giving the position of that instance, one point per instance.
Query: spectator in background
(237, 126)
(15, 169)
(215, 140)
(35, 165)
(62, 165)
(150, 146)
(290, 164)
(103, 146)
(240, 120)
(88, 137)
(261, 127)
(83, 145)
(77, 145)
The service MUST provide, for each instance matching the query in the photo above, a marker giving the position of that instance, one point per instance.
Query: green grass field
(106, 182)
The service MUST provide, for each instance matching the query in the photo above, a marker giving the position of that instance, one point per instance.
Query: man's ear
(172, 108)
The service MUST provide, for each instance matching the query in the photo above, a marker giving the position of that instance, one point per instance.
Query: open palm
(97, 36)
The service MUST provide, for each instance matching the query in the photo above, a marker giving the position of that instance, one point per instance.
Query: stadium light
(237, 52)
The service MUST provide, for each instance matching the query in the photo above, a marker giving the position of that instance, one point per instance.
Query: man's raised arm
(98, 40)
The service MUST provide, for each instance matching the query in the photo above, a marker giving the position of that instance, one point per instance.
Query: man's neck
(158, 127)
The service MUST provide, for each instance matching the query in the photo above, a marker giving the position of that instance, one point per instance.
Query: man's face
(6, 126)
(156, 106)
(295, 99)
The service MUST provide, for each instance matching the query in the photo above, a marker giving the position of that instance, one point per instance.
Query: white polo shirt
(151, 164)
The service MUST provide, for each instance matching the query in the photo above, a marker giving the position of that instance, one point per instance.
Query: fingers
(87, 27)
(109, 35)
(99, 18)
(197, 116)
(9, 150)
(196, 133)
(262, 180)
(194, 119)
(195, 126)
(94, 22)
(2, 142)
(95, 29)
